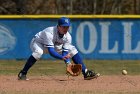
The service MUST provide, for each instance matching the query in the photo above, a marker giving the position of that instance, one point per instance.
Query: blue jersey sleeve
(64, 53)
(53, 53)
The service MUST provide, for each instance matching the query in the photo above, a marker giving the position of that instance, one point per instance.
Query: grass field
(46, 72)
(51, 67)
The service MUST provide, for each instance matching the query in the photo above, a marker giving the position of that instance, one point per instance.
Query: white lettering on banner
(105, 39)
(128, 39)
(80, 37)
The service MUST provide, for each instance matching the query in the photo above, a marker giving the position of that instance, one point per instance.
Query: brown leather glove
(74, 69)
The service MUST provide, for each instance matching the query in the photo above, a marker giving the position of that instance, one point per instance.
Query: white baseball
(124, 72)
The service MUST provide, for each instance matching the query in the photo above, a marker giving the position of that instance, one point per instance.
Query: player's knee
(73, 51)
(37, 55)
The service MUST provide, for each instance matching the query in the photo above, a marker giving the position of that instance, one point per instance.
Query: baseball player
(56, 41)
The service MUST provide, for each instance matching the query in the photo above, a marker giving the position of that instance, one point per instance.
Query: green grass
(114, 67)
(52, 67)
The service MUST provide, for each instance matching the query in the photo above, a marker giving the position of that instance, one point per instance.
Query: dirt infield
(75, 85)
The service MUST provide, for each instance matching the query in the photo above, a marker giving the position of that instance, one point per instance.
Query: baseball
(124, 72)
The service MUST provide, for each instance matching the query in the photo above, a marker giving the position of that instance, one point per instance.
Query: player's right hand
(66, 57)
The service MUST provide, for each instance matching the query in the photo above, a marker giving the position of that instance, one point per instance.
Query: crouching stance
(56, 41)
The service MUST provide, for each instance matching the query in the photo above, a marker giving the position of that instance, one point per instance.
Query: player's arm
(65, 53)
(55, 54)
(48, 43)
(65, 49)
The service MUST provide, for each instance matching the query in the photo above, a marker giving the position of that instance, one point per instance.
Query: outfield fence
(95, 36)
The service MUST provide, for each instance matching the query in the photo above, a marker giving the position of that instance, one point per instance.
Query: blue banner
(94, 38)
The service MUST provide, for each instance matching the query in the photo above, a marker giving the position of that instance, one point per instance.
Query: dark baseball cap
(64, 21)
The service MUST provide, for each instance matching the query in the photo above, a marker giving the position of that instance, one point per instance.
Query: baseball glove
(74, 69)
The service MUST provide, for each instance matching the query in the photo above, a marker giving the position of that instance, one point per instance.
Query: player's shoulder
(68, 34)
(49, 29)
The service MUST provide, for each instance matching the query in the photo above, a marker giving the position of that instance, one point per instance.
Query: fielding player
(56, 41)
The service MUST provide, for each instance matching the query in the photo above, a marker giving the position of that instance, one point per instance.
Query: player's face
(63, 29)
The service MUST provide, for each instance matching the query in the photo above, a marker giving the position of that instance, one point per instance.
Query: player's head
(63, 21)
(63, 25)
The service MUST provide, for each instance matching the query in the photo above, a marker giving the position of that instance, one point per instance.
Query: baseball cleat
(91, 75)
(22, 76)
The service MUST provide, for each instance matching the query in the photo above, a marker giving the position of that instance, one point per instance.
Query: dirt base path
(75, 85)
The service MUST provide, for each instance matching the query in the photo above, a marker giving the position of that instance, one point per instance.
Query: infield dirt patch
(75, 85)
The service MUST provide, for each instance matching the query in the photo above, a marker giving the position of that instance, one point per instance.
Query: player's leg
(37, 50)
(29, 63)
(88, 74)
